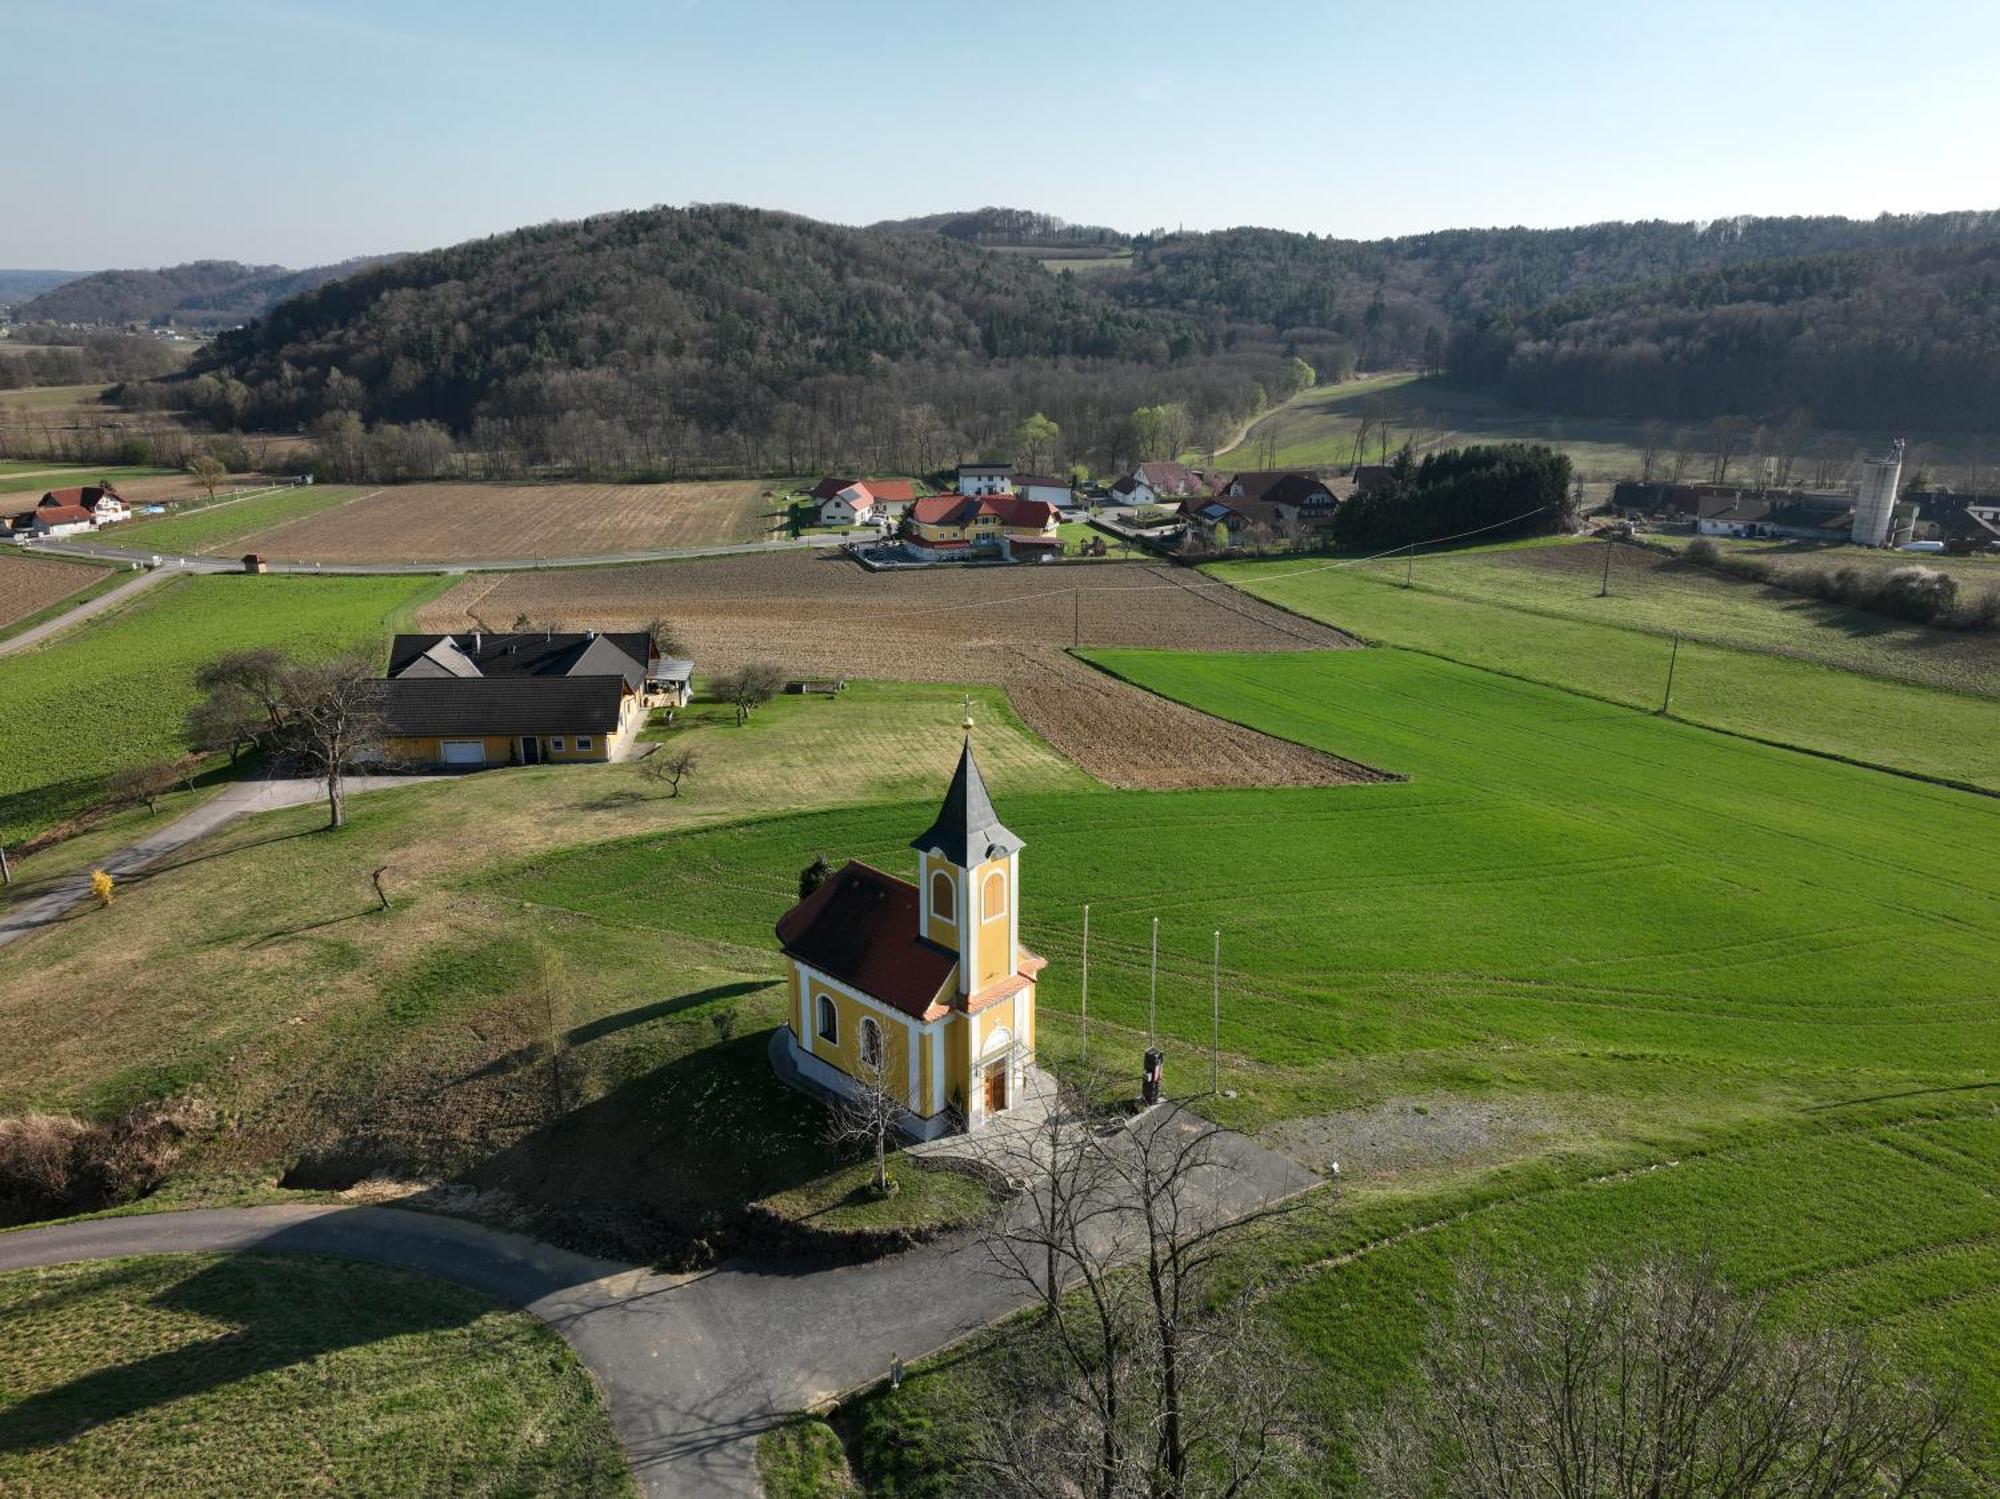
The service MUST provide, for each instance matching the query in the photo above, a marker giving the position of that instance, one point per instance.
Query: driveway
(239, 799)
(693, 1367)
(109, 599)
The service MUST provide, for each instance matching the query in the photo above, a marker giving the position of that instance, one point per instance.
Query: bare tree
(1655, 1381)
(1683, 451)
(667, 642)
(873, 1111)
(1651, 433)
(748, 688)
(1132, 1381)
(242, 699)
(332, 719)
(208, 472)
(1725, 441)
(671, 768)
(146, 783)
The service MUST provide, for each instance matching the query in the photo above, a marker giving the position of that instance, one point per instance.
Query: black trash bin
(1149, 1085)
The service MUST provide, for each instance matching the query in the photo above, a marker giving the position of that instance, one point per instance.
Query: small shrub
(102, 887)
(1702, 552)
(1923, 595)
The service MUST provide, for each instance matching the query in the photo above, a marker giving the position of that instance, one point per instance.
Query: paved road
(109, 599)
(176, 562)
(693, 1367)
(240, 799)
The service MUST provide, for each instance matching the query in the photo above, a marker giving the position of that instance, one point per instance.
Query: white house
(58, 520)
(852, 506)
(976, 480)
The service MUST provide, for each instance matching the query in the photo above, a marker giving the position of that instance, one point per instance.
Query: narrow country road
(240, 799)
(176, 562)
(693, 1367)
(110, 599)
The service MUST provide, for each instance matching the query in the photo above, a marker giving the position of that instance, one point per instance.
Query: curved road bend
(693, 1367)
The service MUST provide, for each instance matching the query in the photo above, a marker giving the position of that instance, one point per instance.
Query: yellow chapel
(922, 989)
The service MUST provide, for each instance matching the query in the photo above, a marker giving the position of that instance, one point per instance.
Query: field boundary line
(1378, 643)
(280, 525)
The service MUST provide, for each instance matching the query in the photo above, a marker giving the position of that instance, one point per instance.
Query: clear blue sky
(300, 132)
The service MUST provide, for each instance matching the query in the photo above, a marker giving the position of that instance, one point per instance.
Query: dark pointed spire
(967, 831)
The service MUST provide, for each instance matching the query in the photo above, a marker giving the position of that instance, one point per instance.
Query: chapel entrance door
(996, 1087)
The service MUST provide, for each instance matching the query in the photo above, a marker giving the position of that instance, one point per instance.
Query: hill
(19, 286)
(762, 337)
(200, 294)
(1906, 337)
(997, 228)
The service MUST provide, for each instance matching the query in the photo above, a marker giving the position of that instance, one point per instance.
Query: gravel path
(110, 599)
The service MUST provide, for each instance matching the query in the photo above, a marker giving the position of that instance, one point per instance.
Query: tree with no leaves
(146, 783)
(208, 472)
(1651, 434)
(671, 768)
(1656, 1382)
(748, 688)
(873, 1111)
(331, 719)
(1135, 1380)
(241, 700)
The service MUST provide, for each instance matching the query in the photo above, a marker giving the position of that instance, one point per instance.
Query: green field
(1546, 623)
(201, 1375)
(1316, 430)
(204, 528)
(113, 692)
(36, 476)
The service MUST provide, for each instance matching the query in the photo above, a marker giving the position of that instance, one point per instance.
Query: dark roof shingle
(422, 707)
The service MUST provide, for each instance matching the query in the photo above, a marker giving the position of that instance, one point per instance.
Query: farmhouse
(857, 502)
(1150, 483)
(923, 990)
(1374, 478)
(1296, 499)
(985, 478)
(101, 500)
(517, 699)
(953, 527)
(54, 520)
(1043, 487)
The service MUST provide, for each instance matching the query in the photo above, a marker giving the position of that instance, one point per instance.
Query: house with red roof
(860, 502)
(48, 519)
(922, 991)
(948, 527)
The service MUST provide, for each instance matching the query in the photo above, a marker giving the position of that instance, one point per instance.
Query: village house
(1295, 499)
(954, 527)
(1053, 491)
(976, 479)
(69, 512)
(1156, 483)
(861, 502)
(476, 699)
(922, 990)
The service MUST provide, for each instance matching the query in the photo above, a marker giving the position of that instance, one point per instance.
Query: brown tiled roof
(61, 515)
(863, 927)
(961, 510)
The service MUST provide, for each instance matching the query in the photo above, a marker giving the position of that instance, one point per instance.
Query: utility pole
(1604, 588)
(1215, 1019)
(1153, 993)
(1667, 702)
(1083, 1053)
(1410, 565)
(1075, 617)
(6, 874)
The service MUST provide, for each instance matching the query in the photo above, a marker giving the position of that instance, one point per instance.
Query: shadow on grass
(271, 1327)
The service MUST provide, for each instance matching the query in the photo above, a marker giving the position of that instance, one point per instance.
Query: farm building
(101, 500)
(921, 990)
(858, 502)
(1044, 487)
(952, 527)
(517, 699)
(55, 520)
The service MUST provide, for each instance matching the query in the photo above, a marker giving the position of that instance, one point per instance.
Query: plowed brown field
(483, 522)
(818, 616)
(30, 584)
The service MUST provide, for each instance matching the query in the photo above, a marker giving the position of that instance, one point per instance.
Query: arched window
(995, 898)
(944, 898)
(829, 1020)
(871, 1043)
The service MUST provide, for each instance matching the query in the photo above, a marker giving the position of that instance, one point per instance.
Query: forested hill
(1012, 227)
(19, 286)
(732, 319)
(1906, 337)
(1396, 301)
(202, 294)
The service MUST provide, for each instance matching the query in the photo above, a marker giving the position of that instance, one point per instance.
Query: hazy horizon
(305, 133)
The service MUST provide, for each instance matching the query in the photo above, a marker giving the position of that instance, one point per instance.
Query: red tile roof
(62, 515)
(962, 510)
(862, 927)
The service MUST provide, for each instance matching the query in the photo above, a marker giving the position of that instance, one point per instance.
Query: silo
(1875, 506)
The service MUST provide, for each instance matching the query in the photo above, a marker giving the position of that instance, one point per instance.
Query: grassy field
(211, 528)
(36, 477)
(1316, 430)
(410, 1044)
(212, 1376)
(113, 692)
(1537, 615)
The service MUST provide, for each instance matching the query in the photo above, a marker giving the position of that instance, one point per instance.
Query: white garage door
(465, 752)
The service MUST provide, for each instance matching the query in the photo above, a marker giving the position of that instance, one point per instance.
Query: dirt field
(481, 522)
(825, 616)
(29, 584)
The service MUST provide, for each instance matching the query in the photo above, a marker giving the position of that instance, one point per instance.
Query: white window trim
(584, 742)
(985, 885)
(556, 745)
(813, 983)
(949, 918)
(824, 1008)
